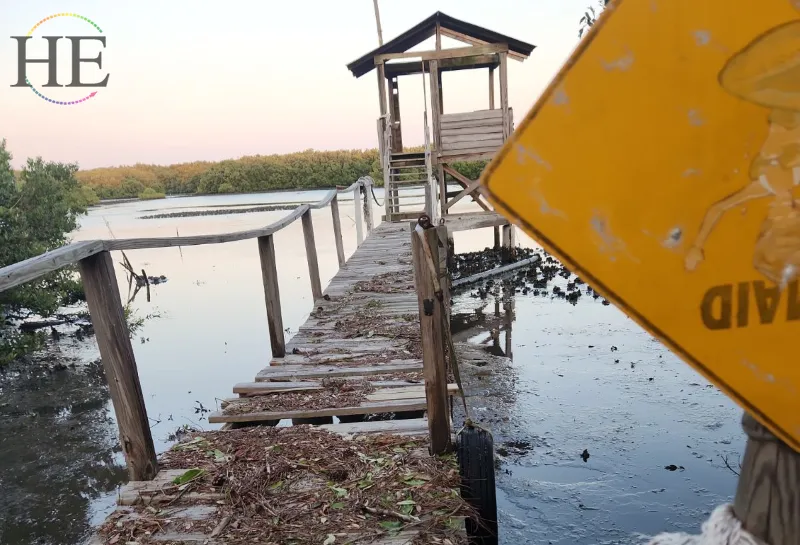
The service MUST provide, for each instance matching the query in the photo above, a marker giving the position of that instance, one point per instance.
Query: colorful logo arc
(36, 91)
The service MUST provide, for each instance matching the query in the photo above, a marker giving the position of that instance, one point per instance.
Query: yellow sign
(662, 165)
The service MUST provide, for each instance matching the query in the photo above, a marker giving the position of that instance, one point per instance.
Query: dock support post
(119, 363)
(430, 320)
(768, 495)
(368, 206)
(311, 255)
(272, 295)
(496, 238)
(337, 231)
(357, 204)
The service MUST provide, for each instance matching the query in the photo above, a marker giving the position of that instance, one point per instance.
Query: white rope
(721, 528)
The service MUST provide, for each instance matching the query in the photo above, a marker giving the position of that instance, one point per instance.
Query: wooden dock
(366, 369)
(364, 330)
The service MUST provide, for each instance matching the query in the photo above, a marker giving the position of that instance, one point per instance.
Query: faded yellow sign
(662, 166)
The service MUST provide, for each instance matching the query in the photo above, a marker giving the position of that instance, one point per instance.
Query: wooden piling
(272, 295)
(337, 231)
(311, 255)
(357, 204)
(767, 499)
(430, 317)
(113, 339)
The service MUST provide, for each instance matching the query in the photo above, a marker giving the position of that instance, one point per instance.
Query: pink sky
(207, 80)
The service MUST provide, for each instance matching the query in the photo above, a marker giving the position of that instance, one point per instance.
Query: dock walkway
(357, 358)
(357, 354)
(366, 477)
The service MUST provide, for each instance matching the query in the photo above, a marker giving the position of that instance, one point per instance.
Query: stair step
(393, 183)
(405, 167)
(409, 154)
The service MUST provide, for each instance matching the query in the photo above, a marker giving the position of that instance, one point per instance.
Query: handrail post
(311, 255)
(272, 295)
(767, 495)
(337, 230)
(357, 204)
(119, 363)
(368, 205)
(431, 333)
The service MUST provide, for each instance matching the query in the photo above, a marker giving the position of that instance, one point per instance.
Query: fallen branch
(387, 513)
(497, 271)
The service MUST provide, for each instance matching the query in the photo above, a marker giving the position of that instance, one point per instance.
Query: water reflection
(59, 455)
(59, 460)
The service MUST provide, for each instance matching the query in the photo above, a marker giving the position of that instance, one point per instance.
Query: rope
(371, 185)
(453, 360)
(721, 528)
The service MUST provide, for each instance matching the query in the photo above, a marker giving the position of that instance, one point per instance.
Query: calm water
(587, 377)
(60, 464)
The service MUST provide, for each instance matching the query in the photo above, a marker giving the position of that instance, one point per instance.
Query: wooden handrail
(105, 306)
(70, 254)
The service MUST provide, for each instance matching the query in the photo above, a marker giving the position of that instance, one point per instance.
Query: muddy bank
(59, 457)
(220, 211)
(602, 435)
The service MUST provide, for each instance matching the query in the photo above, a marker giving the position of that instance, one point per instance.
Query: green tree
(37, 211)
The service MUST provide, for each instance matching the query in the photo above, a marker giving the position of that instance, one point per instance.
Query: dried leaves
(305, 485)
(335, 393)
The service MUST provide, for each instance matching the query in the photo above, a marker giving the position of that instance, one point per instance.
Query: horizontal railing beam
(14, 275)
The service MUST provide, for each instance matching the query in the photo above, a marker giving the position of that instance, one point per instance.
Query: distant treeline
(302, 170)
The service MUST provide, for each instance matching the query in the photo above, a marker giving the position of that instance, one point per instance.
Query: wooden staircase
(405, 189)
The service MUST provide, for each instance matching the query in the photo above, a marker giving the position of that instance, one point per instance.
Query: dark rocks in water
(673, 467)
(220, 211)
(152, 280)
(585, 455)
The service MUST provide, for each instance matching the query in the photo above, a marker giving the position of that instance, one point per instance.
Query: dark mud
(220, 211)
(59, 456)
(602, 435)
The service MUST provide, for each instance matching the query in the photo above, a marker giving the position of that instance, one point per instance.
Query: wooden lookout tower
(457, 136)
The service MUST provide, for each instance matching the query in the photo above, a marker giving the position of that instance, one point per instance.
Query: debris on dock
(297, 485)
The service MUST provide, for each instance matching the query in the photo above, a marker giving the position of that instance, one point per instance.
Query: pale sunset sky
(211, 80)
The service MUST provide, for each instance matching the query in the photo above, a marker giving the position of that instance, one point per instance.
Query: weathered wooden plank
(491, 88)
(472, 116)
(487, 131)
(411, 426)
(311, 255)
(119, 364)
(405, 405)
(272, 295)
(467, 146)
(291, 372)
(430, 316)
(170, 242)
(260, 388)
(443, 53)
(475, 220)
(35, 267)
(475, 41)
(504, 94)
(337, 231)
(357, 210)
(486, 124)
(451, 154)
(474, 137)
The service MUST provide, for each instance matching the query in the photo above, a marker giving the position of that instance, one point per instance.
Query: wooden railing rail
(35, 267)
(105, 306)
